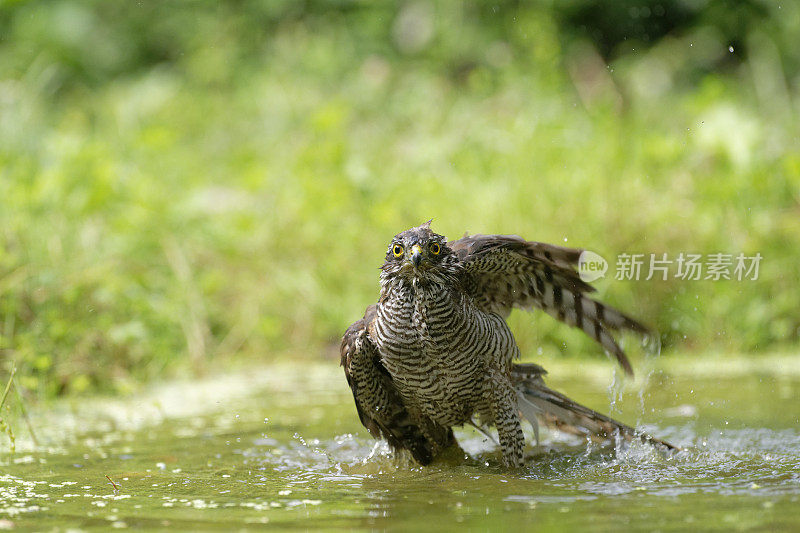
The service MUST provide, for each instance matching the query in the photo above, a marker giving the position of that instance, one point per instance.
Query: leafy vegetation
(188, 185)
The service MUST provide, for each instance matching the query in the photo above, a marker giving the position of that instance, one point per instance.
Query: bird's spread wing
(379, 405)
(505, 271)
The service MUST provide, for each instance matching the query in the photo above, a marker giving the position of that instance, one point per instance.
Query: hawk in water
(436, 352)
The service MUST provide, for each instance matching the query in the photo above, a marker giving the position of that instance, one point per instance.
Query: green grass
(220, 207)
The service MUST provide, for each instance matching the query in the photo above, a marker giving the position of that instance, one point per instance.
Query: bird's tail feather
(539, 402)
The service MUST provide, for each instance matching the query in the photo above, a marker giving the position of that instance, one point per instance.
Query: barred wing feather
(506, 271)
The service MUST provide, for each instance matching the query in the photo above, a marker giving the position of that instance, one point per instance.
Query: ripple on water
(270, 458)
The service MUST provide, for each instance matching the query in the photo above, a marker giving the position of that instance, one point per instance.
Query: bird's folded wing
(379, 404)
(506, 271)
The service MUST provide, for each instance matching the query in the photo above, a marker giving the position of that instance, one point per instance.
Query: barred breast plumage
(439, 349)
(435, 351)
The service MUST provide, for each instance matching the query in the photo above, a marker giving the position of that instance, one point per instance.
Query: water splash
(651, 345)
(615, 390)
(318, 464)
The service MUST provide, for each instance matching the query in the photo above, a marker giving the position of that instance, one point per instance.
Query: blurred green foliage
(185, 185)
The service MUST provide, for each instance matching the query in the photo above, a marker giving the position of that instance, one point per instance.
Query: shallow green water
(283, 447)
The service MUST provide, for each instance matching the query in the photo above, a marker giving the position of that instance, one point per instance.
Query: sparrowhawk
(436, 352)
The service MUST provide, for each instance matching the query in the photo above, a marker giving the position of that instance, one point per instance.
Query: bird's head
(418, 253)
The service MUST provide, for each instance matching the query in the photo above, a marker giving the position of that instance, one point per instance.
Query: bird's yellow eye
(435, 248)
(397, 250)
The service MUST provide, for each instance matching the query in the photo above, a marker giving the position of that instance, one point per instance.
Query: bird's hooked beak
(416, 255)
